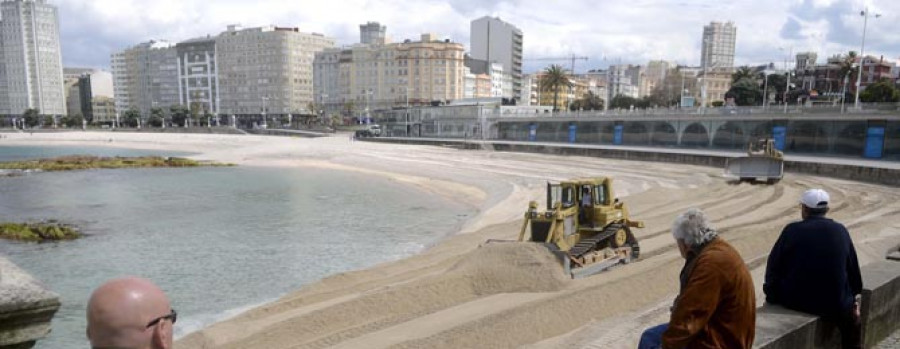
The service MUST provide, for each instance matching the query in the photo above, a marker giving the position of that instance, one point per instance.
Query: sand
(460, 294)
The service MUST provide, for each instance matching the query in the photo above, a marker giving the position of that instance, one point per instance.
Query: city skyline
(607, 32)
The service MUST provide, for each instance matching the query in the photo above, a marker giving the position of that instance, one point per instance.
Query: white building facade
(31, 72)
(198, 81)
(145, 77)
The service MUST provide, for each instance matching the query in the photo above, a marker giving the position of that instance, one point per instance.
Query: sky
(606, 31)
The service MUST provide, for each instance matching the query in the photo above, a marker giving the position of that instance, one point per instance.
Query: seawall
(877, 172)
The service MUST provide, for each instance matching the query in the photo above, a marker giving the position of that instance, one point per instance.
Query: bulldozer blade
(750, 168)
(595, 268)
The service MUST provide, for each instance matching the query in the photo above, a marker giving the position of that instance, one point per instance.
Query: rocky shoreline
(79, 162)
(38, 232)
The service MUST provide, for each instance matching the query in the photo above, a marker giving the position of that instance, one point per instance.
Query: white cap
(815, 198)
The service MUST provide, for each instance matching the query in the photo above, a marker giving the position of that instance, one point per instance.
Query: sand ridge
(457, 295)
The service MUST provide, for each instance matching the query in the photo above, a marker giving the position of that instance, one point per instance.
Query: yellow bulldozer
(585, 225)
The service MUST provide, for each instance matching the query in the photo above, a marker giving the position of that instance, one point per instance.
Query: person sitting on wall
(813, 268)
(716, 307)
(130, 313)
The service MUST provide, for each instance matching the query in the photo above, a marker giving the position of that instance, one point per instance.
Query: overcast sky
(609, 32)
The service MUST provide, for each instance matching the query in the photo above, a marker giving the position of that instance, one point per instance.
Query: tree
(131, 117)
(74, 121)
(157, 116)
(554, 79)
(741, 74)
(746, 92)
(621, 101)
(196, 111)
(590, 101)
(48, 120)
(179, 114)
(32, 117)
(880, 92)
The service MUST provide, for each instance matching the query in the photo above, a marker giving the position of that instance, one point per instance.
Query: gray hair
(693, 228)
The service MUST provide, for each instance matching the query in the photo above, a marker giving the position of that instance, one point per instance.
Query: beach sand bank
(457, 295)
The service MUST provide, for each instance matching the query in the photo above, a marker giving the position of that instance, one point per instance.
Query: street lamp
(265, 101)
(408, 126)
(862, 55)
(787, 77)
(766, 89)
(369, 94)
(324, 108)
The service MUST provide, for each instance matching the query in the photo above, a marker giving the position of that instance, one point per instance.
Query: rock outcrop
(26, 308)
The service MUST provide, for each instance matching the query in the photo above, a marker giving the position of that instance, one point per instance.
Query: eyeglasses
(171, 316)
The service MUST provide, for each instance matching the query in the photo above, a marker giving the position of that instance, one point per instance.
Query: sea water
(217, 240)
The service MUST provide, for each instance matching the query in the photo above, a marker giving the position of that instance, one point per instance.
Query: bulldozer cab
(590, 200)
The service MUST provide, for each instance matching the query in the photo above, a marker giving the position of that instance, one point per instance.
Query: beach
(461, 293)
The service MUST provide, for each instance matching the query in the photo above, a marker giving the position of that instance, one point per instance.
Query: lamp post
(265, 101)
(787, 78)
(324, 108)
(406, 96)
(705, 77)
(862, 55)
(369, 94)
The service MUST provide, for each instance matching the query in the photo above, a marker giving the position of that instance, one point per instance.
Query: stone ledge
(26, 307)
(881, 301)
(777, 327)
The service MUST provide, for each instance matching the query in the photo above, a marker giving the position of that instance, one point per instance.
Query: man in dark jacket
(813, 269)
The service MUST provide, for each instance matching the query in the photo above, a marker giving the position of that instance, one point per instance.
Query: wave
(193, 323)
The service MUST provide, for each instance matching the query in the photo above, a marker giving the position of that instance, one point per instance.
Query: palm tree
(846, 70)
(554, 78)
(741, 73)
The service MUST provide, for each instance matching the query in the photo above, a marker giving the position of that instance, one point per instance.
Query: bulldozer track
(586, 245)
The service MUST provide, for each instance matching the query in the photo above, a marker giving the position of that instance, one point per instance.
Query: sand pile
(510, 268)
(493, 269)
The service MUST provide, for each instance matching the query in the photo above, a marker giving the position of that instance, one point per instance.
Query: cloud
(607, 31)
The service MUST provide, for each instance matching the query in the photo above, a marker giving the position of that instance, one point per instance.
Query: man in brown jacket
(716, 307)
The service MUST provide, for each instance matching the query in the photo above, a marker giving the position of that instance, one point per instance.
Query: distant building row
(379, 74)
(238, 72)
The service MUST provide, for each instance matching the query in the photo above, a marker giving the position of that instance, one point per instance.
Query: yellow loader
(585, 225)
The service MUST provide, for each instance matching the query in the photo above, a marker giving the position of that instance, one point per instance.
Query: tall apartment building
(718, 45)
(372, 33)
(198, 81)
(71, 77)
(267, 67)
(31, 72)
(96, 97)
(352, 79)
(145, 77)
(494, 40)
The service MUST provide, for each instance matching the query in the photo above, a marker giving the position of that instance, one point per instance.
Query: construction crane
(571, 58)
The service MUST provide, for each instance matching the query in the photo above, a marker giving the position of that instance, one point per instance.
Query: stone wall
(885, 176)
(780, 328)
(26, 308)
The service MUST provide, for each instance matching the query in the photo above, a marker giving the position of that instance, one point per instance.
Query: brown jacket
(716, 307)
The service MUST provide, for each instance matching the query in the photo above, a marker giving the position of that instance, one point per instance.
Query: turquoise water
(216, 239)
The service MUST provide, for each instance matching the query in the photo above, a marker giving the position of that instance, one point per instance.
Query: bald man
(130, 313)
